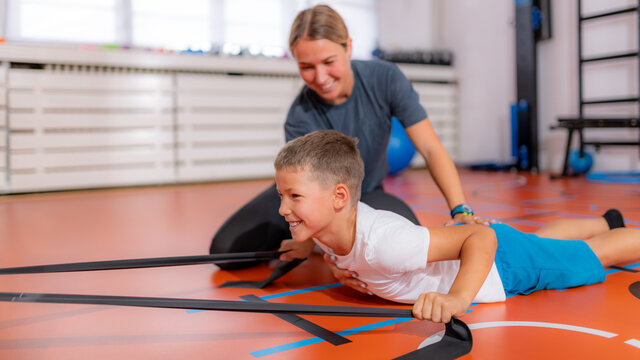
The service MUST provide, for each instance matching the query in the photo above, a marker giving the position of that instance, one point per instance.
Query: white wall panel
(143, 173)
(88, 122)
(228, 118)
(210, 170)
(245, 84)
(237, 135)
(3, 130)
(55, 160)
(87, 80)
(230, 127)
(51, 101)
(222, 99)
(231, 152)
(82, 139)
(441, 103)
(87, 125)
(82, 129)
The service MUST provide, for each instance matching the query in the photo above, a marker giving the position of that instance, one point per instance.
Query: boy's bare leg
(616, 246)
(574, 229)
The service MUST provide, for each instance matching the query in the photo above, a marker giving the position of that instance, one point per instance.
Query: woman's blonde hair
(318, 22)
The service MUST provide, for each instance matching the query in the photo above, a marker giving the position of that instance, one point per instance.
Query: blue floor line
(547, 200)
(527, 222)
(575, 216)
(630, 266)
(533, 211)
(286, 293)
(315, 340)
(301, 291)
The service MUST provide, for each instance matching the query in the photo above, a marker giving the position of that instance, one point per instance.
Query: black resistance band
(144, 263)
(622, 268)
(634, 289)
(306, 325)
(457, 340)
(197, 304)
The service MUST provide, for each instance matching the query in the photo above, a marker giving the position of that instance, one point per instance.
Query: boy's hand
(438, 307)
(469, 219)
(298, 250)
(346, 277)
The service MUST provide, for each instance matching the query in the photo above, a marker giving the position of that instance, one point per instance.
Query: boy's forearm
(476, 259)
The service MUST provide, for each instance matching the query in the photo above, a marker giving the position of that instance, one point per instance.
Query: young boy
(441, 270)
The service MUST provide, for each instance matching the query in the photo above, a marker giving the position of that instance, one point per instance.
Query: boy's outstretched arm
(475, 246)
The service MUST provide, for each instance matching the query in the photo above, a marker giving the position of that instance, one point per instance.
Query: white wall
(408, 25)
(558, 81)
(2, 25)
(482, 37)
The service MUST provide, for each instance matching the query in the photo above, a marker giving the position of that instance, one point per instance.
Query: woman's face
(325, 68)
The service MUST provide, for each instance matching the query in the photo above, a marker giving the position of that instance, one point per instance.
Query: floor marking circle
(490, 324)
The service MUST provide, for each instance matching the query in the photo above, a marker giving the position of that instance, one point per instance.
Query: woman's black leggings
(258, 226)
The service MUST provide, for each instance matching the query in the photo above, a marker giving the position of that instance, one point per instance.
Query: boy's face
(305, 203)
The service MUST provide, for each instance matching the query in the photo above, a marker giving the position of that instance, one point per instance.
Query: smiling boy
(440, 270)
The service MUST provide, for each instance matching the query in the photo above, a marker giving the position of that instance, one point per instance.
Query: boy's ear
(341, 196)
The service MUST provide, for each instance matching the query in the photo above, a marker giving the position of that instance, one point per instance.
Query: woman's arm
(475, 246)
(441, 167)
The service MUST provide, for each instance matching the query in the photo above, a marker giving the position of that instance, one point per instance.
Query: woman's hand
(469, 219)
(297, 250)
(346, 277)
(438, 307)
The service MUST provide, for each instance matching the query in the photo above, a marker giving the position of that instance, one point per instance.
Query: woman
(358, 98)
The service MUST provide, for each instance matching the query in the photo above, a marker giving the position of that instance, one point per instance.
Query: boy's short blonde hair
(329, 155)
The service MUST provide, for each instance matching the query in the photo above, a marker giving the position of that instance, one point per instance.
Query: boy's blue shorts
(527, 262)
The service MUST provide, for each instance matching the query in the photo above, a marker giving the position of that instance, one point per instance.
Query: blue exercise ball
(580, 165)
(400, 150)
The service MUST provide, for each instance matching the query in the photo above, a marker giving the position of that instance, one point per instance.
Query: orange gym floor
(592, 322)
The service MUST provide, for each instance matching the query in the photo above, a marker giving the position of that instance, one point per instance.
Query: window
(255, 29)
(60, 21)
(177, 25)
(257, 26)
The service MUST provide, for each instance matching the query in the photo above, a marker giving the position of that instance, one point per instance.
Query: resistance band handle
(456, 341)
(144, 263)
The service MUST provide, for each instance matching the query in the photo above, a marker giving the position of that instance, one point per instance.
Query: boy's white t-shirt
(390, 255)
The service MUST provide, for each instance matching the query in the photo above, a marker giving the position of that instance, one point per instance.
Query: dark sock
(614, 218)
